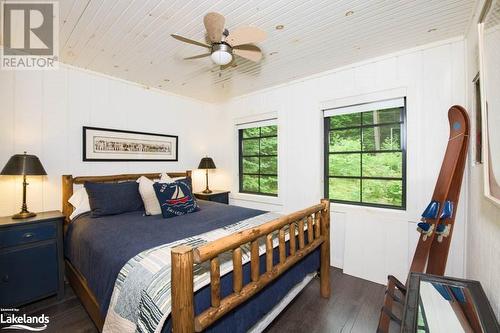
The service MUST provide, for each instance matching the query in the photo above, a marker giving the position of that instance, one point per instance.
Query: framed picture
(105, 144)
(489, 61)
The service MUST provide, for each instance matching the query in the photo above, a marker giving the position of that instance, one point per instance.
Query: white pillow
(148, 195)
(165, 178)
(79, 200)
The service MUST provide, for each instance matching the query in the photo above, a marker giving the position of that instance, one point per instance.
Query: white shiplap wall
(483, 228)
(366, 242)
(43, 113)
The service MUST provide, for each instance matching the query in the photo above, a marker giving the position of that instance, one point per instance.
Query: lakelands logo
(9, 320)
(30, 35)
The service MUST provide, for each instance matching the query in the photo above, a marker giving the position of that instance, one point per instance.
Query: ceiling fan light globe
(221, 57)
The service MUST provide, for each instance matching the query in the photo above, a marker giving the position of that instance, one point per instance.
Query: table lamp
(206, 163)
(25, 165)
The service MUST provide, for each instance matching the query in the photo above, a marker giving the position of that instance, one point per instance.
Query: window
(365, 154)
(258, 154)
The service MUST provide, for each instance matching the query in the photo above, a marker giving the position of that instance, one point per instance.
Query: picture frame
(488, 38)
(114, 145)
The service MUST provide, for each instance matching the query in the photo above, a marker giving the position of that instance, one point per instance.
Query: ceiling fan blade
(214, 23)
(189, 41)
(246, 35)
(248, 51)
(198, 56)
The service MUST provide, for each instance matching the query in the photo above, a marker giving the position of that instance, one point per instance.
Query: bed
(246, 298)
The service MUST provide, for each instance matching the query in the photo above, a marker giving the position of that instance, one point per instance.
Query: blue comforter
(100, 247)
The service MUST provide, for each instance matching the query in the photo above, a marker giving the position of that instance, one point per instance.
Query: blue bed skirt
(249, 313)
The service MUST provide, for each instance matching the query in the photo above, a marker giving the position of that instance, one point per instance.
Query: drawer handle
(28, 235)
(5, 278)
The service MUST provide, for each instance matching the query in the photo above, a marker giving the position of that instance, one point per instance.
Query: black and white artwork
(104, 144)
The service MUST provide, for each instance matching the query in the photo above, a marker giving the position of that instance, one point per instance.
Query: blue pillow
(175, 198)
(113, 198)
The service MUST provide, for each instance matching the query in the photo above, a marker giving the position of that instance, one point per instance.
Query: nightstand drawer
(28, 273)
(215, 196)
(27, 234)
(221, 198)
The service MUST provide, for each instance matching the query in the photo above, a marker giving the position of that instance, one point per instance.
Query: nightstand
(217, 196)
(31, 258)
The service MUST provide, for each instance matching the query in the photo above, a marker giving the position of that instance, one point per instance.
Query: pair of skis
(438, 218)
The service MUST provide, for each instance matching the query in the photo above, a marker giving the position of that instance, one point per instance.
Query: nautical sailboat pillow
(175, 198)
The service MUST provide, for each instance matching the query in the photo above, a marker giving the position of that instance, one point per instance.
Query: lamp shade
(206, 163)
(23, 164)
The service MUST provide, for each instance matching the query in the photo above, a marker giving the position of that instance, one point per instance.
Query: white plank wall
(483, 229)
(367, 242)
(43, 113)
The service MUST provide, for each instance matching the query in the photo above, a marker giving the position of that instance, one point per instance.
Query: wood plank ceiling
(130, 39)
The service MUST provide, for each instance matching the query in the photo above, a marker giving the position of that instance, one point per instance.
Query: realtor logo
(11, 320)
(30, 35)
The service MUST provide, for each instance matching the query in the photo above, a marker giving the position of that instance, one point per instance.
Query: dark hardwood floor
(353, 307)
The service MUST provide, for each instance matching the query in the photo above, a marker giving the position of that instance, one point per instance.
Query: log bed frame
(317, 219)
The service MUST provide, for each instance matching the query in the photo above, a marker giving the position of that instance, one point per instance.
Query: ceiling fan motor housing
(222, 53)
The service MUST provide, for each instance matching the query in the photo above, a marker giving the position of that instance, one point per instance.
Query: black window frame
(403, 151)
(259, 155)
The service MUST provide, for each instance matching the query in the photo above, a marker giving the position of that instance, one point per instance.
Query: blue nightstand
(31, 258)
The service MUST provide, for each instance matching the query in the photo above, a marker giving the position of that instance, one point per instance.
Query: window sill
(256, 198)
(346, 208)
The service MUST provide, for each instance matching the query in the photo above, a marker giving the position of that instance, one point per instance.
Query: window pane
(345, 120)
(345, 165)
(385, 192)
(269, 165)
(344, 189)
(250, 165)
(269, 184)
(345, 140)
(251, 132)
(269, 146)
(382, 116)
(269, 130)
(250, 183)
(383, 165)
(386, 137)
(250, 147)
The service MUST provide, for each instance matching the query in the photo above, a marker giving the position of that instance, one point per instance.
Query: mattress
(100, 247)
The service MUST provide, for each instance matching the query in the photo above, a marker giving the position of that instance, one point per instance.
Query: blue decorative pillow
(113, 198)
(175, 198)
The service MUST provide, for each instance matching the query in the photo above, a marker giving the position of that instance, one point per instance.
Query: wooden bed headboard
(68, 181)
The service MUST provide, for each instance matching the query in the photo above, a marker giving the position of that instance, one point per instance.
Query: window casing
(365, 154)
(258, 159)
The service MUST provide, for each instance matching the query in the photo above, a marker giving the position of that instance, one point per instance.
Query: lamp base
(207, 191)
(23, 215)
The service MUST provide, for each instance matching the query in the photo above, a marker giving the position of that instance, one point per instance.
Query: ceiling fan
(225, 45)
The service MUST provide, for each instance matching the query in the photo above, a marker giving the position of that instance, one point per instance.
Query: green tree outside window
(365, 158)
(258, 153)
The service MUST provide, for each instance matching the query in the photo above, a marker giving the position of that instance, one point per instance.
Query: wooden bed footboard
(317, 219)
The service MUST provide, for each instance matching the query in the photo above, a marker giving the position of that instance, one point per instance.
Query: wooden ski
(439, 251)
(448, 183)
(432, 251)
